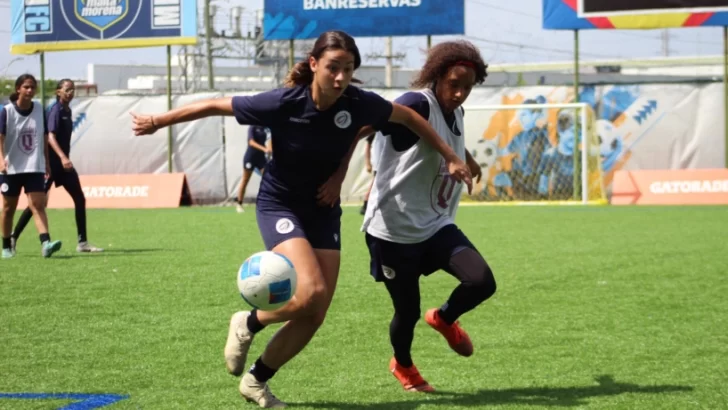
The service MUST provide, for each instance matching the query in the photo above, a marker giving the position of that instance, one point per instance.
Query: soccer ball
(267, 280)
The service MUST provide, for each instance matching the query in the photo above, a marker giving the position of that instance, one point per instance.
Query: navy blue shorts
(393, 261)
(320, 226)
(61, 177)
(254, 161)
(11, 184)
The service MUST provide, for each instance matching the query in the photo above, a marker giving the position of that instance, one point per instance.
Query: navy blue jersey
(60, 122)
(402, 137)
(257, 134)
(308, 144)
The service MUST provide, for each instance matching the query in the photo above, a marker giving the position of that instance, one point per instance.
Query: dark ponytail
(301, 73)
(19, 83)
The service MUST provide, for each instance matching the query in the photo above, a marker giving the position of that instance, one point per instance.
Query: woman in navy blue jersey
(256, 156)
(315, 119)
(62, 172)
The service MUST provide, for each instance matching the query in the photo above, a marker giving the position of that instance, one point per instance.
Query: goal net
(535, 153)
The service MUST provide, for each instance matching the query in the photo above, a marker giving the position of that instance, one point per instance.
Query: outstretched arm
(149, 124)
(408, 117)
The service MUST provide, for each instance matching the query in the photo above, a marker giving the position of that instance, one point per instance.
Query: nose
(339, 77)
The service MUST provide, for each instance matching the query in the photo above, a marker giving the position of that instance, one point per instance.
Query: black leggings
(477, 284)
(72, 185)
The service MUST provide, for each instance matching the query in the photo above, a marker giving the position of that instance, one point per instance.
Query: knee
(475, 272)
(485, 280)
(314, 301)
(37, 203)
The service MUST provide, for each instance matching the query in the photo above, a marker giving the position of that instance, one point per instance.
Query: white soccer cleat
(87, 247)
(238, 342)
(240, 209)
(257, 392)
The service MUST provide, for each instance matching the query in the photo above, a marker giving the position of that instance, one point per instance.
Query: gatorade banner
(671, 187)
(123, 191)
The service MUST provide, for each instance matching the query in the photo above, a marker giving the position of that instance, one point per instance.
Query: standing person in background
(24, 163)
(372, 153)
(62, 172)
(256, 156)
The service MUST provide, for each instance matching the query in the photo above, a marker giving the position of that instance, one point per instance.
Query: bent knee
(313, 299)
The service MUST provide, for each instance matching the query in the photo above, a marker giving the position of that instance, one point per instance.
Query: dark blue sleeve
(259, 109)
(251, 131)
(377, 110)
(402, 137)
(53, 120)
(3, 121)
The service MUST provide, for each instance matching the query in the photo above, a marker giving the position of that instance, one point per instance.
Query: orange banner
(673, 187)
(124, 191)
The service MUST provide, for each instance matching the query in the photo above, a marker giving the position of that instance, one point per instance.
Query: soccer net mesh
(535, 152)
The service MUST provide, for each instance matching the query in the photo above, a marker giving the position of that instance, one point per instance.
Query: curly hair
(443, 56)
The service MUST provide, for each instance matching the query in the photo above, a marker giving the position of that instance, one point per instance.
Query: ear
(312, 63)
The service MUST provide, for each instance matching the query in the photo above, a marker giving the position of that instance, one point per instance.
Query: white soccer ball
(267, 280)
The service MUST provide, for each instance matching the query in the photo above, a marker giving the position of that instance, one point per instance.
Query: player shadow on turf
(533, 396)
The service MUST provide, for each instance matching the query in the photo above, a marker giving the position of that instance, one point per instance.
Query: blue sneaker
(8, 253)
(50, 247)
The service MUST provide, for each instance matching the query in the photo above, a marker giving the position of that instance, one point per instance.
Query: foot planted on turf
(409, 377)
(258, 392)
(50, 247)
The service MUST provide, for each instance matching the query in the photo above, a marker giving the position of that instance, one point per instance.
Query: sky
(505, 31)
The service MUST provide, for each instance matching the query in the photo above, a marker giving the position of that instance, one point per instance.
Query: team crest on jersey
(26, 140)
(342, 119)
(4, 187)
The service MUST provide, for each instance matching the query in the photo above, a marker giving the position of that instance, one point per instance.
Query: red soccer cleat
(456, 337)
(409, 377)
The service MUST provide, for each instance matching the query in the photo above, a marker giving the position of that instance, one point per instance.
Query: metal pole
(429, 43)
(578, 128)
(725, 89)
(208, 44)
(169, 107)
(291, 54)
(42, 81)
(388, 66)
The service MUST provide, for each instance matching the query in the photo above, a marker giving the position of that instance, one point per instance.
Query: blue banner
(302, 19)
(59, 25)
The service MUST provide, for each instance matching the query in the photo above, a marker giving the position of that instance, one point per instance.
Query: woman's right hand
(459, 170)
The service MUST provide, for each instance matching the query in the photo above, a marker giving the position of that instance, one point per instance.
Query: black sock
(6, 243)
(22, 223)
(45, 237)
(261, 371)
(253, 323)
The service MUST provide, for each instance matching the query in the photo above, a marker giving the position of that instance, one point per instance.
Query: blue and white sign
(302, 19)
(58, 25)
